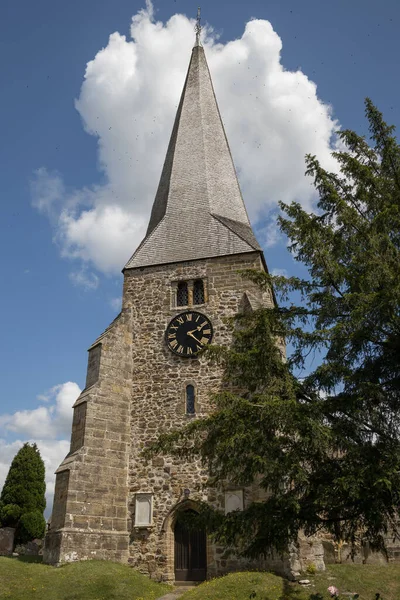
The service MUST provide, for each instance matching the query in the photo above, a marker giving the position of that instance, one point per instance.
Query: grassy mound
(23, 578)
(245, 586)
(366, 580)
(90, 580)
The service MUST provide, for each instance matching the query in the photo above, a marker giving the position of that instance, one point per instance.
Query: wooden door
(190, 553)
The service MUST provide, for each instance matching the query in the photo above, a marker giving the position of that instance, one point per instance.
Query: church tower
(144, 374)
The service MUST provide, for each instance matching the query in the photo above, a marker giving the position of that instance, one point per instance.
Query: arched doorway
(190, 553)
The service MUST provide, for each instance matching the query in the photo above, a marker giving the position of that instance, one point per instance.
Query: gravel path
(175, 594)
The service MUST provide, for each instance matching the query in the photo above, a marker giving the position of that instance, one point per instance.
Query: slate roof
(198, 210)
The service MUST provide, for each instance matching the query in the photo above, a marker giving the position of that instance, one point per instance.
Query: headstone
(6, 541)
(32, 548)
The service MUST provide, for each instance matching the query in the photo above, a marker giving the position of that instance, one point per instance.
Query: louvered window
(182, 294)
(190, 399)
(198, 292)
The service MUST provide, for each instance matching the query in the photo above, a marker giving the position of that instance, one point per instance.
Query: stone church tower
(144, 376)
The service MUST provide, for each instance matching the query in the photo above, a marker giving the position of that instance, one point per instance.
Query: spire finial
(198, 26)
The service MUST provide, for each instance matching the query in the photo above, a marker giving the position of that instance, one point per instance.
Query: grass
(365, 580)
(24, 578)
(243, 586)
(90, 580)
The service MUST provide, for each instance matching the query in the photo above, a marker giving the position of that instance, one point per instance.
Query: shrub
(311, 569)
(9, 515)
(31, 525)
(22, 499)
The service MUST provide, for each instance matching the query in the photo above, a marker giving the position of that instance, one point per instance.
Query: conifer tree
(22, 500)
(325, 447)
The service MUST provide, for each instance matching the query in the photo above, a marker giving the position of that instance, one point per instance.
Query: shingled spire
(198, 211)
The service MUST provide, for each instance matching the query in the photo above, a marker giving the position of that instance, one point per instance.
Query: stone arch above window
(182, 294)
(190, 399)
(233, 500)
(198, 292)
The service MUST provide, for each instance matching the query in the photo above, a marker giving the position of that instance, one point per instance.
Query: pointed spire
(198, 211)
(198, 27)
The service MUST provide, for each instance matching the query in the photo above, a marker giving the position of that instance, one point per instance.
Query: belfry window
(192, 292)
(198, 292)
(182, 294)
(190, 400)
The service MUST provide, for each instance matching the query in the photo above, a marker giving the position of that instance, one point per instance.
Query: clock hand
(199, 328)
(193, 336)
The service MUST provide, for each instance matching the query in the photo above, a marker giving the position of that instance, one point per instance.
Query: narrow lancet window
(190, 398)
(182, 294)
(198, 292)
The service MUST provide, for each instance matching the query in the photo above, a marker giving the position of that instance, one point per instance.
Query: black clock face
(188, 333)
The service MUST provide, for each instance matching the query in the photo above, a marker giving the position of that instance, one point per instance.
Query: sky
(88, 96)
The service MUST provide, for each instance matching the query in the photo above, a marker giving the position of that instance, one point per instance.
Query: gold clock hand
(193, 336)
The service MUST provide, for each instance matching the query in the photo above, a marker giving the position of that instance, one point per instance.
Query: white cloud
(128, 100)
(269, 233)
(46, 422)
(48, 192)
(116, 303)
(279, 273)
(85, 279)
(49, 426)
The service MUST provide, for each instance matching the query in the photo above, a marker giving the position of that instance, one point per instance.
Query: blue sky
(57, 297)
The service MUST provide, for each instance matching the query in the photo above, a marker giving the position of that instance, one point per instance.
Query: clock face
(188, 333)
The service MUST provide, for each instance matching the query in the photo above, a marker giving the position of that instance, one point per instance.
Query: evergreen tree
(22, 499)
(325, 447)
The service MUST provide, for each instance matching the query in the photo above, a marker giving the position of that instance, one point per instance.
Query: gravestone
(6, 541)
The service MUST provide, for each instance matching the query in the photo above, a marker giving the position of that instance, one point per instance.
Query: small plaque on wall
(233, 500)
(144, 510)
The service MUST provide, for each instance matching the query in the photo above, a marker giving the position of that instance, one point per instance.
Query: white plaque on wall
(233, 500)
(143, 510)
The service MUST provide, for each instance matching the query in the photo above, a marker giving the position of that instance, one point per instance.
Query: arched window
(182, 294)
(198, 292)
(190, 398)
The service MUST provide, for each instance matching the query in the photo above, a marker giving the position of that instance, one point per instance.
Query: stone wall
(90, 511)
(159, 381)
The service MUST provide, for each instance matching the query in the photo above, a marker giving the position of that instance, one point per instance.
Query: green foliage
(31, 525)
(10, 514)
(326, 447)
(311, 569)
(24, 492)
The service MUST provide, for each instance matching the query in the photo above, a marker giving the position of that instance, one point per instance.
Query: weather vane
(198, 26)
